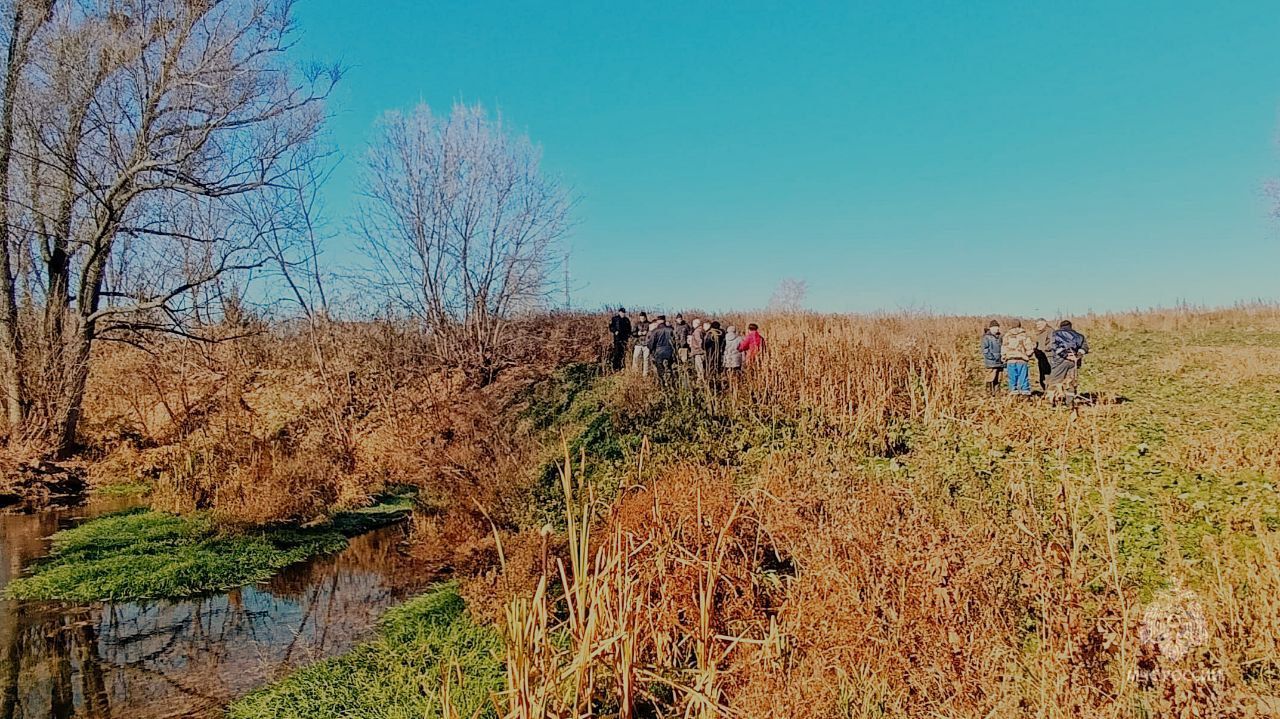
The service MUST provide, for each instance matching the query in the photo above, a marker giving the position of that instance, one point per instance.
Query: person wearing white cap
(696, 352)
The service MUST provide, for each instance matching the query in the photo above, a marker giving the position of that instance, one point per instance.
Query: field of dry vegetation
(853, 530)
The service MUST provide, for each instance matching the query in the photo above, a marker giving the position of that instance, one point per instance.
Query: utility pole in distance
(567, 304)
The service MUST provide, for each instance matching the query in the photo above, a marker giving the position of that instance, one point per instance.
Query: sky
(956, 157)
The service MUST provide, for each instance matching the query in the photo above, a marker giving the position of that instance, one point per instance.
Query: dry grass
(293, 422)
(646, 611)
(851, 530)
(914, 550)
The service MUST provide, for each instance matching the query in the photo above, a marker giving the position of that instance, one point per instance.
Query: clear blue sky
(957, 156)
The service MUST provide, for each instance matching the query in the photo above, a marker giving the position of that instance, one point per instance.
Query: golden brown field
(854, 530)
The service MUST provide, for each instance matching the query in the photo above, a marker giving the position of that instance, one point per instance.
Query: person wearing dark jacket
(662, 347)
(991, 359)
(681, 335)
(620, 329)
(713, 348)
(1069, 348)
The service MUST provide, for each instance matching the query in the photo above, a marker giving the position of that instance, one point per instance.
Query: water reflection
(184, 658)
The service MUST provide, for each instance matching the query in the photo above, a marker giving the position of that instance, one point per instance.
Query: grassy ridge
(141, 554)
(400, 675)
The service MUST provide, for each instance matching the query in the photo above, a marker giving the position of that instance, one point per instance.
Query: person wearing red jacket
(751, 345)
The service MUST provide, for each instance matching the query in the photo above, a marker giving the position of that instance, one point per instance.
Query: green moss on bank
(124, 489)
(141, 554)
(400, 674)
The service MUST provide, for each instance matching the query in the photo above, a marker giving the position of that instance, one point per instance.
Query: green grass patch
(124, 489)
(604, 423)
(548, 401)
(400, 674)
(142, 554)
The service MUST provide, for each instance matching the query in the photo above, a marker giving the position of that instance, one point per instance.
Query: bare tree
(295, 232)
(789, 295)
(134, 135)
(464, 229)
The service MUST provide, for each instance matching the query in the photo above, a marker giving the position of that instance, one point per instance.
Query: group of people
(711, 350)
(1056, 352)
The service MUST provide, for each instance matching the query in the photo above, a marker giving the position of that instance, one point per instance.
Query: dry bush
(295, 419)
(1224, 449)
(458, 540)
(706, 573)
(526, 557)
(888, 585)
(154, 396)
(648, 610)
(249, 480)
(1231, 365)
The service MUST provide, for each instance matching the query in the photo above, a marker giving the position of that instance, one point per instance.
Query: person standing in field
(732, 358)
(680, 333)
(751, 345)
(1069, 348)
(1044, 345)
(696, 353)
(620, 329)
(991, 356)
(713, 349)
(662, 347)
(640, 353)
(1017, 350)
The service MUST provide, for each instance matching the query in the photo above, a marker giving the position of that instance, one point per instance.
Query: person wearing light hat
(696, 353)
(732, 357)
(1044, 345)
(1017, 349)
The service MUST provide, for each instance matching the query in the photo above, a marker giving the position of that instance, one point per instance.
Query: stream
(183, 658)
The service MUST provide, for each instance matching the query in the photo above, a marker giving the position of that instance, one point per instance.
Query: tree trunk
(75, 374)
(79, 331)
(11, 385)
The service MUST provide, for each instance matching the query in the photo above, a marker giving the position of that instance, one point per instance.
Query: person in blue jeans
(1016, 350)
